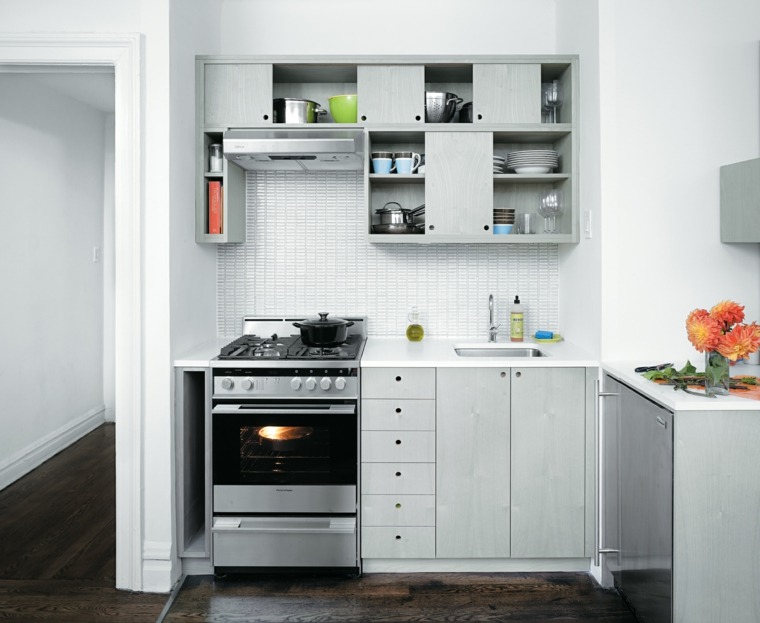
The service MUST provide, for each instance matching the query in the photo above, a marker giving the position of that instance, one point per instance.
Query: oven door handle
(263, 410)
(321, 525)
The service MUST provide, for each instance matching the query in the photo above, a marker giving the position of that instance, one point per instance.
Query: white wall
(679, 86)
(580, 265)
(51, 319)
(393, 27)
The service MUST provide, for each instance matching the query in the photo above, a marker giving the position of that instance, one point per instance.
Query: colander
(440, 107)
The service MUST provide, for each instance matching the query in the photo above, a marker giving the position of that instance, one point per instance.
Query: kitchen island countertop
(388, 352)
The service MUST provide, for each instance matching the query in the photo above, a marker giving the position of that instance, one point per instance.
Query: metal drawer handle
(661, 421)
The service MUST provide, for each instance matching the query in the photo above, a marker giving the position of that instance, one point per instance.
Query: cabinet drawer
(398, 478)
(380, 446)
(398, 510)
(398, 414)
(398, 383)
(398, 543)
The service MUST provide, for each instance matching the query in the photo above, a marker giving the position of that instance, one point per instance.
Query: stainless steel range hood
(296, 149)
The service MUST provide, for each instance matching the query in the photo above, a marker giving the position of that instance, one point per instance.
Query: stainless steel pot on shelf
(294, 110)
(396, 220)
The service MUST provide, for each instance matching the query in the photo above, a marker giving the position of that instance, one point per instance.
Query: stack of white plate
(533, 161)
(498, 164)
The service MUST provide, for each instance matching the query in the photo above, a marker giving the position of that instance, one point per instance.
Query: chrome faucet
(493, 326)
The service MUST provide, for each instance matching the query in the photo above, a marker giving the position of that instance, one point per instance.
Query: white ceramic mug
(407, 162)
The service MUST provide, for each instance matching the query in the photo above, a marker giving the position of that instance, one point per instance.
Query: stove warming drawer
(284, 542)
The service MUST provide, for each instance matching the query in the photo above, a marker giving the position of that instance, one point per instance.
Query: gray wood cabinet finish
(237, 94)
(389, 383)
(716, 532)
(548, 505)
(740, 202)
(473, 466)
(398, 414)
(459, 184)
(391, 93)
(506, 93)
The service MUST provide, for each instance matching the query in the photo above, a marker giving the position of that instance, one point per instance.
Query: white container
(215, 158)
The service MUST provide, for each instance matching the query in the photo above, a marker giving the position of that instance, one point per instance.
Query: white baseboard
(37, 453)
(467, 565)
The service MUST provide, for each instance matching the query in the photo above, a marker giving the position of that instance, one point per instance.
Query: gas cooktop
(270, 343)
(254, 347)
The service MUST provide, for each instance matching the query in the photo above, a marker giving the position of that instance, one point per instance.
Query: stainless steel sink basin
(507, 351)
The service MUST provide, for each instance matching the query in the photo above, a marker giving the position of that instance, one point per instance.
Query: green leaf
(687, 369)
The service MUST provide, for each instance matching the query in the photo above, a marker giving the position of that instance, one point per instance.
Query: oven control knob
(325, 383)
(247, 384)
(227, 383)
(295, 383)
(311, 383)
(340, 383)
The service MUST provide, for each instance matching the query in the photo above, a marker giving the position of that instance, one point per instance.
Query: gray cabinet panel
(716, 532)
(237, 94)
(391, 93)
(740, 202)
(472, 476)
(506, 93)
(459, 183)
(548, 462)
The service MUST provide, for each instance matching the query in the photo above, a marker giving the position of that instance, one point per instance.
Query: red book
(215, 207)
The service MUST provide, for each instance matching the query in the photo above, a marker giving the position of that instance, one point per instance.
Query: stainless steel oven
(285, 457)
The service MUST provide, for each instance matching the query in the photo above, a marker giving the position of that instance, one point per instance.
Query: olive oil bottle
(414, 332)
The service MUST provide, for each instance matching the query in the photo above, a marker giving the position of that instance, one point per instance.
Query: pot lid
(324, 321)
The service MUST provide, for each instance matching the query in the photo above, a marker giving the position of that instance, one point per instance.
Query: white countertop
(387, 352)
(677, 400)
(199, 356)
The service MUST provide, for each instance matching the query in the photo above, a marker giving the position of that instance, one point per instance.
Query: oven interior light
(285, 433)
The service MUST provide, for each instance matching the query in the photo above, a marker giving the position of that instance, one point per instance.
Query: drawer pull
(398, 473)
(398, 409)
(398, 442)
(398, 378)
(398, 537)
(398, 504)
(518, 374)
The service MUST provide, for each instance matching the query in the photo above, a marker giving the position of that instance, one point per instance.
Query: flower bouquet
(720, 335)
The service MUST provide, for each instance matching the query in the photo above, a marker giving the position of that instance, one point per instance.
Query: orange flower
(728, 313)
(740, 342)
(703, 330)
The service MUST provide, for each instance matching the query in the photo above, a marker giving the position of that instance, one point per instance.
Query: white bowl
(532, 170)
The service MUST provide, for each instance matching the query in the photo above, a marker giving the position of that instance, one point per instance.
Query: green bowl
(343, 108)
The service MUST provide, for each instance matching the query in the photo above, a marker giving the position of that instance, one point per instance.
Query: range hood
(295, 149)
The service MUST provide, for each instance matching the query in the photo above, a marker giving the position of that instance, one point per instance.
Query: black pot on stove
(323, 332)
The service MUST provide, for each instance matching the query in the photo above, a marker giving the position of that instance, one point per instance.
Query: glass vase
(716, 374)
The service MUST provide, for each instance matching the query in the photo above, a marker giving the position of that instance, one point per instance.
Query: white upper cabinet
(391, 93)
(237, 94)
(506, 93)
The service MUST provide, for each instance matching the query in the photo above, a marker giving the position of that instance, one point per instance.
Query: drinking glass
(551, 203)
(552, 100)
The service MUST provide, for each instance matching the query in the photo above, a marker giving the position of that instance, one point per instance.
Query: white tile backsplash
(306, 251)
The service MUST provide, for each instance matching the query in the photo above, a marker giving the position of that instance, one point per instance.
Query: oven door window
(274, 444)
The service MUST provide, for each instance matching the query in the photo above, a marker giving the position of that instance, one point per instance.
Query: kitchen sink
(507, 351)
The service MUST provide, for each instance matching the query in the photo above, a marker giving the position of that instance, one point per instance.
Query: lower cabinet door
(472, 474)
(398, 542)
(548, 462)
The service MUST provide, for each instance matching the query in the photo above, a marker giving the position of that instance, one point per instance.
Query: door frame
(123, 52)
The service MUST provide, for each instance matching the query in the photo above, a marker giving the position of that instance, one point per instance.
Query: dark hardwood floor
(58, 541)
(397, 598)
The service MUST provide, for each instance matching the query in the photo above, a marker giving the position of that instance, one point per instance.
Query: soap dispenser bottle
(414, 332)
(516, 321)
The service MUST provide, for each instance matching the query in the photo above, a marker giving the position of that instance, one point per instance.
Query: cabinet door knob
(518, 374)
(398, 442)
(398, 378)
(398, 409)
(398, 473)
(398, 504)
